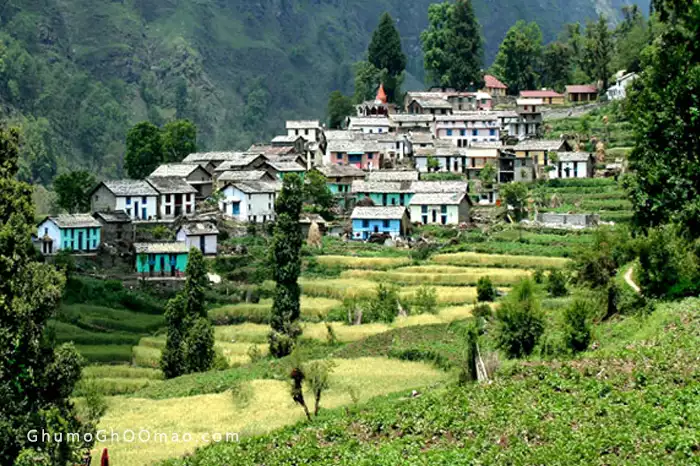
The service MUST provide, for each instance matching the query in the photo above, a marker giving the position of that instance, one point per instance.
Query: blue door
(236, 208)
(144, 213)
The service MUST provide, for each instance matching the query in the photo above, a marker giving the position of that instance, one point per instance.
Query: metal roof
(161, 247)
(378, 213)
(74, 221)
(171, 185)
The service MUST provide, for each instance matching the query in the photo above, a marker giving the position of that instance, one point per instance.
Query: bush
(384, 306)
(520, 322)
(556, 284)
(485, 290)
(596, 264)
(538, 276)
(425, 301)
(577, 325)
(482, 311)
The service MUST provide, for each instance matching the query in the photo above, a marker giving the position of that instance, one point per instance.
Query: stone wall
(577, 220)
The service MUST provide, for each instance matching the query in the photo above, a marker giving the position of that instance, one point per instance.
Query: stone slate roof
(256, 187)
(200, 229)
(418, 138)
(529, 102)
(114, 216)
(393, 176)
(573, 156)
(439, 186)
(171, 185)
(360, 186)
(74, 221)
(470, 116)
(437, 198)
(240, 161)
(161, 247)
(211, 156)
(339, 145)
(369, 121)
(302, 124)
(537, 144)
(243, 175)
(411, 118)
(334, 170)
(182, 170)
(268, 150)
(378, 213)
(285, 166)
(283, 138)
(130, 188)
(307, 218)
(433, 103)
(340, 134)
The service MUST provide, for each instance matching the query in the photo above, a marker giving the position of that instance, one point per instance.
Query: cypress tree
(385, 53)
(286, 247)
(465, 48)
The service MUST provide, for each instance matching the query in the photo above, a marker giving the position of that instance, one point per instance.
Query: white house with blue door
(250, 201)
(75, 232)
(468, 127)
(137, 198)
(392, 221)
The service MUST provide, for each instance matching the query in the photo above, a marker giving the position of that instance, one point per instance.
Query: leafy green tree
(317, 379)
(453, 46)
(367, 78)
(339, 108)
(519, 56)
(317, 193)
(37, 152)
(73, 190)
(556, 66)
(630, 38)
(597, 53)
(425, 301)
(179, 140)
(432, 164)
(384, 307)
(144, 150)
(515, 195)
(487, 175)
(385, 53)
(577, 325)
(556, 284)
(36, 379)
(519, 321)
(286, 247)
(664, 184)
(485, 290)
(596, 264)
(468, 372)
(190, 337)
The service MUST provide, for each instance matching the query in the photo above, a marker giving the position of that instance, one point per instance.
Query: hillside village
(391, 168)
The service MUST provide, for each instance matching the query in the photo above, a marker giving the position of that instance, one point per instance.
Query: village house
(161, 258)
(618, 91)
(307, 219)
(195, 175)
(422, 141)
(339, 178)
(478, 156)
(367, 221)
(538, 149)
(243, 175)
(280, 168)
(548, 96)
(529, 118)
(393, 146)
(308, 129)
(427, 103)
(440, 208)
(377, 124)
(581, 93)
(200, 235)
(439, 187)
(116, 226)
(449, 158)
(494, 87)
(572, 165)
(383, 193)
(512, 168)
(297, 143)
(241, 161)
(359, 153)
(175, 197)
(404, 123)
(377, 107)
(393, 175)
(72, 232)
(135, 197)
(210, 159)
(465, 128)
(250, 201)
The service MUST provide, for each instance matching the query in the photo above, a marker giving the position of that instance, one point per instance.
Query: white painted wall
(168, 200)
(256, 207)
(48, 227)
(416, 213)
(210, 242)
(151, 207)
(582, 171)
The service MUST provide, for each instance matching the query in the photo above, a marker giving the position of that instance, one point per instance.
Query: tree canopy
(385, 53)
(518, 61)
(148, 146)
(73, 190)
(339, 108)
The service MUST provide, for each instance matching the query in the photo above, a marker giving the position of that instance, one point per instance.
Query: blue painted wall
(366, 227)
(71, 239)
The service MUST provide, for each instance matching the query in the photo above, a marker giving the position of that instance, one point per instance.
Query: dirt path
(630, 282)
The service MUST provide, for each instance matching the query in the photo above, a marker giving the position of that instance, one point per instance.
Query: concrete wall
(134, 205)
(581, 220)
(254, 207)
(210, 242)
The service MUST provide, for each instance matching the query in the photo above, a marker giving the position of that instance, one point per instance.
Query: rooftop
(243, 175)
(182, 170)
(254, 187)
(573, 156)
(285, 166)
(540, 93)
(310, 218)
(528, 102)
(411, 118)
(74, 221)
(269, 149)
(130, 188)
(114, 216)
(493, 82)
(378, 213)
(335, 170)
(210, 156)
(360, 146)
(538, 144)
(394, 175)
(161, 247)
(437, 198)
(285, 139)
(439, 186)
(171, 185)
(468, 116)
(361, 186)
(199, 229)
(239, 161)
(433, 103)
(581, 89)
(369, 121)
(302, 124)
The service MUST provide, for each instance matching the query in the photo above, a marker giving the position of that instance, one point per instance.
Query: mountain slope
(93, 67)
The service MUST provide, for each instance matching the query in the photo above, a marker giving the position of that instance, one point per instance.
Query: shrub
(520, 322)
(482, 311)
(330, 334)
(485, 290)
(468, 372)
(425, 300)
(254, 353)
(556, 284)
(596, 263)
(422, 251)
(538, 276)
(577, 325)
(318, 379)
(384, 306)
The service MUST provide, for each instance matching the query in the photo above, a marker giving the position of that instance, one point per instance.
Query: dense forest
(75, 75)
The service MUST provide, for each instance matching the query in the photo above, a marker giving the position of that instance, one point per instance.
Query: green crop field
(495, 260)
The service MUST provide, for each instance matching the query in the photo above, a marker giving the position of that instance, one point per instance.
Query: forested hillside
(75, 74)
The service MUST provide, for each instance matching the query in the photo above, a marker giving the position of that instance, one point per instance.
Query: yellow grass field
(124, 372)
(147, 353)
(312, 308)
(503, 260)
(269, 407)
(251, 333)
(351, 262)
(433, 275)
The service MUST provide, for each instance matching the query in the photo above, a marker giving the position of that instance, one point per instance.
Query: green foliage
(339, 108)
(482, 311)
(190, 338)
(519, 321)
(65, 262)
(37, 379)
(73, 191)
(468, 372)
(538, 276)
(518, 59)
(432, 164)
(577, 325)
(453, 46)
(515, 195)
(556, 284)
(317, 379)
(384, 52)
(425, 301)
(485, 290)
(596, 264)
(665, 182)
(384, 306)
(597, 52)
(487, 175)
(179, 139)
(286, 247)
(556, 66)
(317, 193)
(147, 146)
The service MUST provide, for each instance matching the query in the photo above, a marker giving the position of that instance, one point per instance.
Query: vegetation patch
(499, 260)
(313, 308)
(434, 275)
(373, 263)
